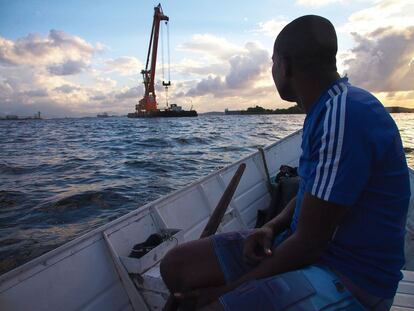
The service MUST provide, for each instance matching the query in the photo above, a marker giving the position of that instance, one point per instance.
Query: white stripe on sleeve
(340, 141)
(330, 145)
(323, 144)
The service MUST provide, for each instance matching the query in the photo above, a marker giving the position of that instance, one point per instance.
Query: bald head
(309, 42)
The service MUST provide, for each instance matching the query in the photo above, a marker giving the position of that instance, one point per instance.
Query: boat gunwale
(42, 259)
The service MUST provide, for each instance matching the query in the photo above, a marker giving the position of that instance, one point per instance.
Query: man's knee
(171, 269)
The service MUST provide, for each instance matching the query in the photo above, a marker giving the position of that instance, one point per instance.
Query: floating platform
(164, 114)
(173, 111)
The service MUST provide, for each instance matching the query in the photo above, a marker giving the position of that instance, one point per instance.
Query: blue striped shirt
(352, 155)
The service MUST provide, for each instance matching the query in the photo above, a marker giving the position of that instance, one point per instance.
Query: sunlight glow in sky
(79, 58)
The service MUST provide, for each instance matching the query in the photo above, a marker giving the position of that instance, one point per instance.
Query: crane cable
(168, 51)
(162, 53)
(168, 56)
(162, 61)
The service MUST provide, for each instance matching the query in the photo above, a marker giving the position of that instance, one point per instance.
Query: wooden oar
(214, 221)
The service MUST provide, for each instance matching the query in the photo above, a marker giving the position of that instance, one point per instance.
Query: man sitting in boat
(339, 244)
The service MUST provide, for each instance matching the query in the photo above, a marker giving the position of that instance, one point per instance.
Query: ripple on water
(151, 166)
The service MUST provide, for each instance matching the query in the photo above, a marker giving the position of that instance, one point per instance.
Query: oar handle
(222, 205)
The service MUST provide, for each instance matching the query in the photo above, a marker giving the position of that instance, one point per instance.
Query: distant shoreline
(249, 111)
(260, 110)
(397, 109)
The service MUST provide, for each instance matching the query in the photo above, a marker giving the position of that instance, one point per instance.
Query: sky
(80, 58)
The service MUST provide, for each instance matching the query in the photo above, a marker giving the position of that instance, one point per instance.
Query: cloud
(104, 83)
(189, 67)
(69, 67)
(210, 46)
(383, 60)
(319, 3)
(34, 49)
(36, 93)
(99, 97)
(66, 88)
(128, 93)
(125, 65)
(245, 67)
(383, 13)
(212, 85)
(272, 27)
(37, 73)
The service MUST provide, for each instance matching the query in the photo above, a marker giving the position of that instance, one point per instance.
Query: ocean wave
(10, 198)
(154, 142)
(14, 169)
(191, 140)
(152, 166)
(229, 148)
(86, 200)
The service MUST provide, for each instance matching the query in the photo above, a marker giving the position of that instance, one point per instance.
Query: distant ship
(172, 111)
(102, 115)
(147, 106)
(36, 116)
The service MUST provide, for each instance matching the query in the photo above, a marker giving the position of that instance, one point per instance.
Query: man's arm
(317, 223)
(282, 221)
(258, 244)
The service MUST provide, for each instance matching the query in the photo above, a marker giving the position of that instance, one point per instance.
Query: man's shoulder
(363, 109)
(351, 111)
(362, 101)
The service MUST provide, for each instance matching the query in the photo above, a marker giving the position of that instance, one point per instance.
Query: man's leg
(191, 265)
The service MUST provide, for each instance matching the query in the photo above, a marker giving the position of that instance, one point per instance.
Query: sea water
(61, 178)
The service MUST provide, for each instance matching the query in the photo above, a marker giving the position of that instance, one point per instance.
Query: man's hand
(258, 245)
(318, 220)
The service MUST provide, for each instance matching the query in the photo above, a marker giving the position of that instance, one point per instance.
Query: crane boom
(148, 103)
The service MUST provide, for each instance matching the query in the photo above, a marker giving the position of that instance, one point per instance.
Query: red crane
(148, 103)
(147, 106)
